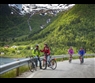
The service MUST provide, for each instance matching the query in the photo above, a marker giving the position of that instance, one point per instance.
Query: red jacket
(46, 50)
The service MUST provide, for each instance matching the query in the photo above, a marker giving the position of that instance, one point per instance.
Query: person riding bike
(36, 55)
(81, 53)
(70, 52)
(46, 51)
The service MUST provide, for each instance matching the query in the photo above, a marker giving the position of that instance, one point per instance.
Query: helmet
(37, 45)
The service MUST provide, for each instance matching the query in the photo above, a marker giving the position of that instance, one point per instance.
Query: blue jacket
(81, 52)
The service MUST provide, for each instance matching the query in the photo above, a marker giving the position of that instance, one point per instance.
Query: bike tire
(43, 64)
(70, 60)
(53, 64)
(81, 60)
(31, 66)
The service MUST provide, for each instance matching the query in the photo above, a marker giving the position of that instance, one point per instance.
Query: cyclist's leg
(79, 57)
(70, 58)
(36, 60)
(82, 59)
(48, 60)
(39, 62)
(48, 57)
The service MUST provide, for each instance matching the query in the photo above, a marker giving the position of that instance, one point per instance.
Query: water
(4, 60)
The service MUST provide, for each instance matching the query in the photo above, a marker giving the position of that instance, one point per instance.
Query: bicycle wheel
(82, 60)
(53, 64)
(43, 64)
(31, 66)
(70, 60)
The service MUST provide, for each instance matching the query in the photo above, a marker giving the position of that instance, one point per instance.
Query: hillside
(75, 27)
(15, 28)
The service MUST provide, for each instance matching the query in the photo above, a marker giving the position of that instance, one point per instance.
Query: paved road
(67, 70)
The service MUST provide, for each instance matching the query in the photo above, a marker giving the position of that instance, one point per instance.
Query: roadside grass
(15, 72)
(75, 57)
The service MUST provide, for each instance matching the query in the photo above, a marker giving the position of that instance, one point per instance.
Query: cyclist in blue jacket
(81, 53)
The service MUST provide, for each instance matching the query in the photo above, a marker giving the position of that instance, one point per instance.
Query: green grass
(75, 57)
(13, 73)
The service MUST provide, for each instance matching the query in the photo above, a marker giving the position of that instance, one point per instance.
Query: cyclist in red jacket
(46, 51)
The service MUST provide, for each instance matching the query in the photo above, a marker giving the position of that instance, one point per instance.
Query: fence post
(17, 70)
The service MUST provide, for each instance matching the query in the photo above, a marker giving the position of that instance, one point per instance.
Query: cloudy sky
(48, 6)
(31, 7)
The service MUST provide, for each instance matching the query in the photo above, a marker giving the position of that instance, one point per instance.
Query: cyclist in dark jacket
(81, 53)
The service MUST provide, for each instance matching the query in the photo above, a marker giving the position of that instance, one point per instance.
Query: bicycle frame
(70, 58)
(32, 65)
(81, 59)
(52, 63)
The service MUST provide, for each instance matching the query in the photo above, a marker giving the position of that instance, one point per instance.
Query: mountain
(17, 27)
(74, 27)
(22, 9)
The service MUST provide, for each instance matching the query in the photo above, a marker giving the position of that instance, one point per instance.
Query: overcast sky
(31, 7)
(49, 6)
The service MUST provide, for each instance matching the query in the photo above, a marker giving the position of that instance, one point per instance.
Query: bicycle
(70, 59)
(81, 59)
(52, 63)
(31, 64)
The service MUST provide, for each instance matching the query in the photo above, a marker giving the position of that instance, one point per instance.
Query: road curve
(68, 70)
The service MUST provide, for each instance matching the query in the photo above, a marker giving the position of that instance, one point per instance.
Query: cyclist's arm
(79, 52)
(48, 52)
(42, 50)
(83, 52)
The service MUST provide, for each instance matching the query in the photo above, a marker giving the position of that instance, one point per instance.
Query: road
(66, 70)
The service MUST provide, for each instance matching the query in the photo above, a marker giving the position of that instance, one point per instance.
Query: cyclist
(81, 53)
(70, 52)
(36, 55)
(46, 51)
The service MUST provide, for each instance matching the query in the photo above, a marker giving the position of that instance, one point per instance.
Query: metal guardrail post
(17, 70)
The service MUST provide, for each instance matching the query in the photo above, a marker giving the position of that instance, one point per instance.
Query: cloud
(30, 7)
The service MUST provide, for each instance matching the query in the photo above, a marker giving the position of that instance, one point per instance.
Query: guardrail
(16, 64)
(6, 67)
